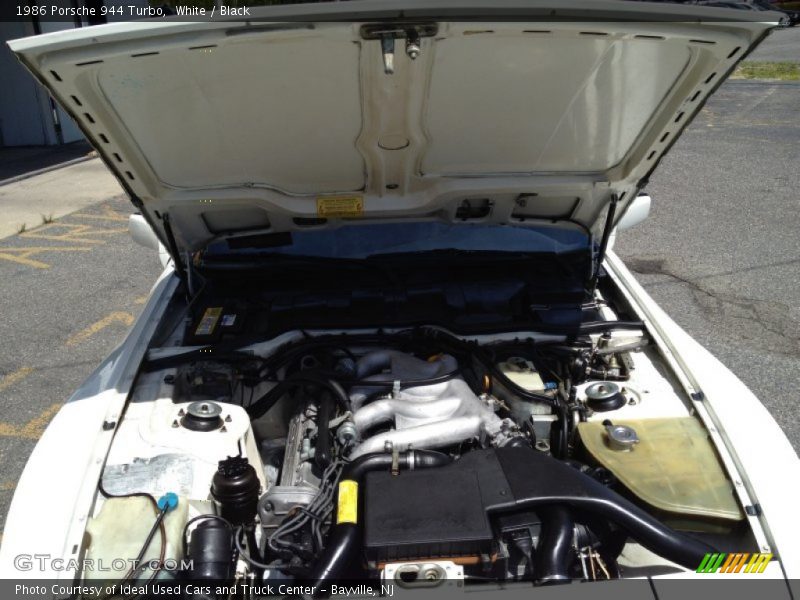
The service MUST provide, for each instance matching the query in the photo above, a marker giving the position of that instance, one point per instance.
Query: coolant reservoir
(119, 531)
(672, 465)
(523, 373)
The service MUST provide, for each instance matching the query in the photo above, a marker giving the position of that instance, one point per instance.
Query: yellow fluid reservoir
(673, 466)
(119, 531)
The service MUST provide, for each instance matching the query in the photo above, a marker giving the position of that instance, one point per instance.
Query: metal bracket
(753, 510)
(387, 47)
(388, 33)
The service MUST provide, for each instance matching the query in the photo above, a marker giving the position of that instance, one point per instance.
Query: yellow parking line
(76, 233)
(23, 255)
(33, 429)
(114, 317)
(14, 377)
(108, 214)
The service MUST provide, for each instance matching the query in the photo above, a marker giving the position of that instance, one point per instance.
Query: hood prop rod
(180, 270)
(601, 253)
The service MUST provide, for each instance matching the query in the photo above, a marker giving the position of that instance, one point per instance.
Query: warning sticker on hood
(340, 206)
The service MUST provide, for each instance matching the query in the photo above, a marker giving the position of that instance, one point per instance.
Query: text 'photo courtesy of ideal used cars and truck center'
(392, 351)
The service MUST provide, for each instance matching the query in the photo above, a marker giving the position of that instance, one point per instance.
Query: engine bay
(414, 455)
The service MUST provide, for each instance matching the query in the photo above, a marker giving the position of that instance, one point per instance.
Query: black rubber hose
(526, 470)
(252, 547)
(604, 375)
(518, 390)
(204, 354)
(339, 552)
(386, 365)
(373, 362)
(322, 452)
(555, 545)
(412, 459)
(559, 434)
(652, 534)
(269, 399)
(377, 384)
(343, 541)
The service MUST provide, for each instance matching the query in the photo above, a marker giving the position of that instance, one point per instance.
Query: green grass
(783, 71)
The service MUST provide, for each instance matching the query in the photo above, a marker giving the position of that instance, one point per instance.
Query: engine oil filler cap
(203, 416)
(604, 396)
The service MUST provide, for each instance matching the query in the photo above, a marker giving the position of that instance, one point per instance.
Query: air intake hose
(555, 545)
(538, 481)
(343, 542)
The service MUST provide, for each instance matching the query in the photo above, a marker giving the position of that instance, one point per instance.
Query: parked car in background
(791, 19)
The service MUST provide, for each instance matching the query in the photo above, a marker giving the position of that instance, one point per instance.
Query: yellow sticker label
(209, 321)
(340, 206)
(347, 510)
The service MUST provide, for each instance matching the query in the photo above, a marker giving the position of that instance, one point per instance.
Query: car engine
(417, 456)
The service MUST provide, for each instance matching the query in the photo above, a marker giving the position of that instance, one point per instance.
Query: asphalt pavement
(70, 290)
(721, 249)
(783, 45)
(720, 253)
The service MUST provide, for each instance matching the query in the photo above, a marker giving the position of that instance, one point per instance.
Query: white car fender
(769, 466)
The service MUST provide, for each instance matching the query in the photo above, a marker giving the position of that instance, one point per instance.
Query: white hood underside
(232, 126)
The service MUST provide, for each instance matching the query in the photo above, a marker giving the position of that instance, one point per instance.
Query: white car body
(73, 450)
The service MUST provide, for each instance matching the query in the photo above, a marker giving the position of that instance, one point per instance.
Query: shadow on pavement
(19, 160)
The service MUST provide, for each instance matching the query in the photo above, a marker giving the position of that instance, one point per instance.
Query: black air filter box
(414, 515)
(433, 512)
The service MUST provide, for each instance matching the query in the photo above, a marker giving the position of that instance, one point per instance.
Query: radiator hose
(344, 540)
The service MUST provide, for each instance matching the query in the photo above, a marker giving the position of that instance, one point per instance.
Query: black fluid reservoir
(236, 487)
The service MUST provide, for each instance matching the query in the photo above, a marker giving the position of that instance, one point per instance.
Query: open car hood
(303, 115)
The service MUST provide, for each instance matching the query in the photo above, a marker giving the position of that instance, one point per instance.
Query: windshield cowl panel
(386, 239)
